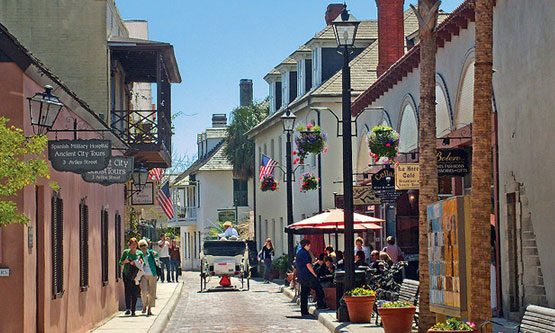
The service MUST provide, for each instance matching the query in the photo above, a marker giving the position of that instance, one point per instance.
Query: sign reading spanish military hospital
(79, 156)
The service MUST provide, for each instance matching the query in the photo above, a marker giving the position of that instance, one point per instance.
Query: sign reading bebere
(452, 162)
(79, 156)
(119, 170)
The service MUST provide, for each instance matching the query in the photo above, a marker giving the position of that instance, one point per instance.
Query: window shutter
(104, 244)
(57, 247)
(84, 245)
(117, 236)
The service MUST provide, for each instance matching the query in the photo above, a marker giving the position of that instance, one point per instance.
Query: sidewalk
(167, 296)
(328, 319)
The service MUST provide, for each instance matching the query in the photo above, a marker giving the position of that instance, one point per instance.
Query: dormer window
(288, 71)
(316, 68)
(273, 78)
(304, 73)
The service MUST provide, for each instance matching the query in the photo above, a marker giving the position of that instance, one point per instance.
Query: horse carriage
(224, 259)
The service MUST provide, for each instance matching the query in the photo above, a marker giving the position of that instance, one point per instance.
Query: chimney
(333, 11)
(245, 92)
(219, 120)
(390, 33)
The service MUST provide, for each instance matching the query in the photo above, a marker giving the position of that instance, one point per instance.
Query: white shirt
(164, 251)
(146, 266)
(229, 232)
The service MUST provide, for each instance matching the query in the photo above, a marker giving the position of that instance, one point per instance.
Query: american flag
(267, 167)
(165, 201)
(155, 173)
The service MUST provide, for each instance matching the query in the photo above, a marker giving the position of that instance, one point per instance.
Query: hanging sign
(407, 176)
(364, 195)
(388, 196)
(384, 180)
(143, 197)
(119, 170)
(79, 156)
(452, 162)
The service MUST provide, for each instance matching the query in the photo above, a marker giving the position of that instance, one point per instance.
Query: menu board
(446, 255)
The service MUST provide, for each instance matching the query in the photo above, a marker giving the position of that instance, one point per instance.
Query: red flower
(294, 153)
(388, 144)
(295, 160)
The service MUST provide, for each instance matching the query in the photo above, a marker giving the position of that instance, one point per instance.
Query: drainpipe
(495, 142)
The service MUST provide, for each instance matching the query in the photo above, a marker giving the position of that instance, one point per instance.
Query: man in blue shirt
(308, 278)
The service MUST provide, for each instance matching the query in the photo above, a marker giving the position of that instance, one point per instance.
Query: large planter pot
(397, 320)
(360, 308)
(330, 297)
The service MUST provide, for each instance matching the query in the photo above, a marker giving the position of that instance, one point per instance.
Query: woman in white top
(148, 280)
(360, 247)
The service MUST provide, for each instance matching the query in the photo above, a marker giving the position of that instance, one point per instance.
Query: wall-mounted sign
(4, 272)
(226, 215)
(79, 156)
(452, 162)
(388, 196)
(144, 197)
(407, 176)
(384, 180)
(364, 195)
(119, 170)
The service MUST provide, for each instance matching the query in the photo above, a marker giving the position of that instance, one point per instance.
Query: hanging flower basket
(310, 140)
(269, 183)
(383, 141)
(309, 182)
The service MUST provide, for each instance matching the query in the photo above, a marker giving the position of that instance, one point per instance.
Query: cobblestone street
(262, 309)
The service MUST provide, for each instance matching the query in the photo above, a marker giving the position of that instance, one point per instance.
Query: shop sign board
(145, 196)
(365, 195)
(447, 249)
(118, 171)
(226, 215)
(79, 156)
(452, 162)
(384, 180)
(388, 196)
(407, 176)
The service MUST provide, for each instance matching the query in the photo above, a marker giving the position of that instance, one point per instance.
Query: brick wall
(390, 33)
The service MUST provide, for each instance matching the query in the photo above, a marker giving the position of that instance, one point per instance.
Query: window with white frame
(316, 68)
(300, 77)
(285, 88)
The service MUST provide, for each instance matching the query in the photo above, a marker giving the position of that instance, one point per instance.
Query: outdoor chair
(536, 319)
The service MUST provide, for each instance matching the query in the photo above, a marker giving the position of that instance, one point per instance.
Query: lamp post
(288, 122)
(345, 28)
(44, 108)
(139, 177)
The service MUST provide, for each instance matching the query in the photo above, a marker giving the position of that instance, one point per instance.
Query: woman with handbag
(128, 260)
(148, 280)
(266, 255)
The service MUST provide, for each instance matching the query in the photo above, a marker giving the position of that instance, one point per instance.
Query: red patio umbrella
(333, 218)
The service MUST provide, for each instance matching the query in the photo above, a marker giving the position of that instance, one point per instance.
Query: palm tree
(239, 149)
(480, 307)
(427, 20)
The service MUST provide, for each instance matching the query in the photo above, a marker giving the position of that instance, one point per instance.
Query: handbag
(132, 273)
(179, 271)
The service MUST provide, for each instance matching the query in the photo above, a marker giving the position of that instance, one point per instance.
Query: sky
(219, 42)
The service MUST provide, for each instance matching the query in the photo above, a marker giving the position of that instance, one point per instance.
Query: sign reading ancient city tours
(365, 195)
(452, 162)
(79, 156)
(119, 170)
(407, 176)
(384, 180)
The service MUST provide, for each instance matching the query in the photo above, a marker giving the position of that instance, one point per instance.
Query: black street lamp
(288, 122)
(345, 28)
(44, 108)
(140, 176)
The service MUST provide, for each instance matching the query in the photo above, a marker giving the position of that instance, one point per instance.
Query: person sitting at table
(385, 258)
(374, 256)
(320, 262)
(325, 272)
(359, 259)
(339, 260)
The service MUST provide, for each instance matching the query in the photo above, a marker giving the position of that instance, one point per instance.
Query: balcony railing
(138, 127)
(187, 213)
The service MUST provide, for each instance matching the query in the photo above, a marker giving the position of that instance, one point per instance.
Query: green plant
(280, 264)
(269, 183)
(360, 292)
(309, 182)
(310, 140)
(134, 230)
(238, 148)
(452, 324)
(396, 304)
(383, 141)
(23, 161)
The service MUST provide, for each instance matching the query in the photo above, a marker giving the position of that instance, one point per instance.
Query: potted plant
(360, 302)
(453, 325)
(383, 141)
(309, 182)
(397, 316)
(269, 183)
(310, 140)
(279, 266)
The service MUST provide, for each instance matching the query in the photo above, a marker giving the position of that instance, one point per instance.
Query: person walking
(308, 278)
(175, 260)
(359, 246)
(266, 255)
(148, 280)
(393, 250)
(164, 258)
(128, 259)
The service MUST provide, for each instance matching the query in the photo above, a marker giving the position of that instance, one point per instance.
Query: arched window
(408, 129)
(465, 102)
(443, 120)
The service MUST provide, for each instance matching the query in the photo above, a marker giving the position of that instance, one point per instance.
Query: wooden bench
(407, 293)
(536, 319)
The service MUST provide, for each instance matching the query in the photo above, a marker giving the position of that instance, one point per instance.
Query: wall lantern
(44, 108)
(288, 121)
(140, 176)
(412, 196)
(345, 29)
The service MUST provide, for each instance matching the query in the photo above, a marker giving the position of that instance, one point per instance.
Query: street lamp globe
(288, 121)
(345, 29)
(44, 108)
(140, 175)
